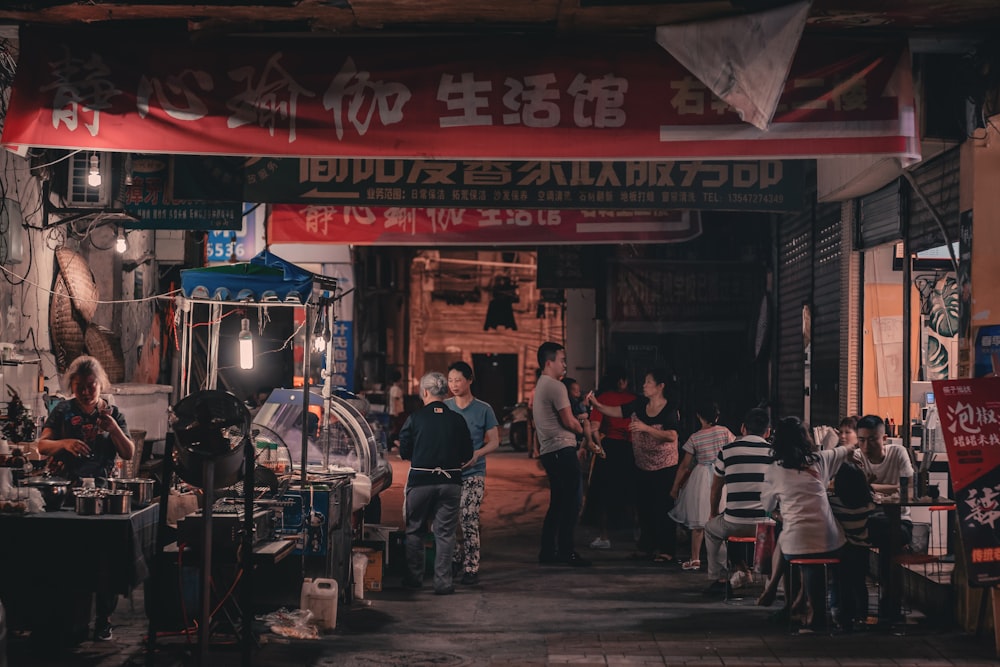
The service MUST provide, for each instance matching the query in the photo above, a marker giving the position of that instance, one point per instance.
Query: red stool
(826, 563)
(748, 545)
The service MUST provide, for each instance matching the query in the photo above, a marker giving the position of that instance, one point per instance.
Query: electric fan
(212, 433)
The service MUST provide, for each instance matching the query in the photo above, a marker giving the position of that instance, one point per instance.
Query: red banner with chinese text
(446, 98)
(373, 225)
(969, 411)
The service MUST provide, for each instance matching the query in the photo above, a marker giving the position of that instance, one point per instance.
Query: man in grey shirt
(557, 429)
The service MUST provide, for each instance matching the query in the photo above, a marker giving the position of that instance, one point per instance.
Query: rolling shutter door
(939, 182)
(795, 241)
(826, 317)
(878, 216)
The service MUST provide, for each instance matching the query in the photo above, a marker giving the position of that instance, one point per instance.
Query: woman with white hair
(436, 441)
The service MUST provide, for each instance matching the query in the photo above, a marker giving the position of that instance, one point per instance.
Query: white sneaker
(598, 543)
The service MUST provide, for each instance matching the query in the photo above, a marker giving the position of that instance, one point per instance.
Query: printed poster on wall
(970, 421)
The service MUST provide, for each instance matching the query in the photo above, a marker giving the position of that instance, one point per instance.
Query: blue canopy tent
(265, 278)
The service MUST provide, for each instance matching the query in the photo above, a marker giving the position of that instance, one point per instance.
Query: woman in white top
(797, 482)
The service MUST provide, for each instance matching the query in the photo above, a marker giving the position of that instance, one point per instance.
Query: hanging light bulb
(94, 175)
(121, 243)
(319, 342)
(246, 345)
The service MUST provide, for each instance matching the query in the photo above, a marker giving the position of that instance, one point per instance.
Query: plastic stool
(826, 563)
(749, 545)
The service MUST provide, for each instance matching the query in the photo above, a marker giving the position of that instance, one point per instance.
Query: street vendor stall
(312, 498)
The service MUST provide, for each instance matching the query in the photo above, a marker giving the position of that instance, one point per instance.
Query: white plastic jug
(359, 561)
(320, 597)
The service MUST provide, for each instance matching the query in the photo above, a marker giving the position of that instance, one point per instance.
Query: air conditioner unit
(79, 192)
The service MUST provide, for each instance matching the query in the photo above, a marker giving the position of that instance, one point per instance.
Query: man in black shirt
(436, 441)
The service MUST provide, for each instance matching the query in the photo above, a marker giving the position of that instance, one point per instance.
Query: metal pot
(89, 502)
(55, 492)
(142, 490)
(117, 501)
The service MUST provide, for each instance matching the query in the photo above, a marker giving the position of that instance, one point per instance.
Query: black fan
(212, 433)
(210, 426)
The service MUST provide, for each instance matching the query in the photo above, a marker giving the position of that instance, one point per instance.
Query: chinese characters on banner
(373, 225)
(970, 421)
(460, 98)
(747, 185)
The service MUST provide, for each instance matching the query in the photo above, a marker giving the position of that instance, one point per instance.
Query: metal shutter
(795, 241)
(826, 317)
(938, 179)
(878, 216)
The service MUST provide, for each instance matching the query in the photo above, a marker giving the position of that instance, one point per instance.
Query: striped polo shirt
(743, 463)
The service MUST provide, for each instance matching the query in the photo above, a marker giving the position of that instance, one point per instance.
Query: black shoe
(470, 579)
(444, 591)
(574, 560)
(102, 631)
(412, 582)
(717, 588)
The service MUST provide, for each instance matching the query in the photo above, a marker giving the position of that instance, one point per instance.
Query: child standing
(693, 484)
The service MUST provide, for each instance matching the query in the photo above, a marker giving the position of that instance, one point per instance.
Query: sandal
(690, 565)
(663, 558)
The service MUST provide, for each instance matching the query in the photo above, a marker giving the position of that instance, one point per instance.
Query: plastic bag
(292, 623)
(764, 548)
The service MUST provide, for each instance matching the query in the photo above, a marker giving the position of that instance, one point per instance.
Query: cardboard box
(373, 571)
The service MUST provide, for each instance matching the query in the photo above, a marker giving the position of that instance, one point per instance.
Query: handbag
(764, 547)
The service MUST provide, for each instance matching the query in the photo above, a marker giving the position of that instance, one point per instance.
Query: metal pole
(205, 629)
(306, 354)
(904, 421)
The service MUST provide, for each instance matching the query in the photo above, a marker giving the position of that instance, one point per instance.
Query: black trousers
(657, 531)
(563, 470)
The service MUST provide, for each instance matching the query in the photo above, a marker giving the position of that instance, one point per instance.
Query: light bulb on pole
(246, 345)
(121, 243)
(94, 174)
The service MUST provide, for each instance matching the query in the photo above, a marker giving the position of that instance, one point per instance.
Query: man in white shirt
(884, 465)
(557, 429)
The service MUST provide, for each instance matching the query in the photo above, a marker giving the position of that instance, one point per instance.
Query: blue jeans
(563, 469)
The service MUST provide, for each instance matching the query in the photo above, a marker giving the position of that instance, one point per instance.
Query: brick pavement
(620, 612)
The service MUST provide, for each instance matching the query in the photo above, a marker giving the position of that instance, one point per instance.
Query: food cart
(331, 489)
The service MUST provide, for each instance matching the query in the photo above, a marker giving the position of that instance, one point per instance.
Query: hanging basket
(65, 331)
(80, 283)
(106, 348)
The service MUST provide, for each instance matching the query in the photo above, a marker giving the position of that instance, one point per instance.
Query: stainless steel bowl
(142, 490)
(55, 492)
(117, 501)
(89, 502)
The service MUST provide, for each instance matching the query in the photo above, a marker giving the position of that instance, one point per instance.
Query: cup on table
(904, 489)
(933, 491)
(87, 482)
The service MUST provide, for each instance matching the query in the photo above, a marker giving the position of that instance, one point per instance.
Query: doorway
(496, 380)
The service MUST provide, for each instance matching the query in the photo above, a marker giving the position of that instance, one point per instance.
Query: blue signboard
(236, 245)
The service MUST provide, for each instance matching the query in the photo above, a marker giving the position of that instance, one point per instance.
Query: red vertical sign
(970, 421)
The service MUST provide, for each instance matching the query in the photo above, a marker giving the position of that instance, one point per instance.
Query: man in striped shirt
(739, 467)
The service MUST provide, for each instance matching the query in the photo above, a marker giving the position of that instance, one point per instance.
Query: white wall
(581, 340)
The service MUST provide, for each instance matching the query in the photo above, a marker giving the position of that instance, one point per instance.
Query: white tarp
(744, 60)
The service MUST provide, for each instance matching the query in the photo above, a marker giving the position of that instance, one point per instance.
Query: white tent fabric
(744, 60)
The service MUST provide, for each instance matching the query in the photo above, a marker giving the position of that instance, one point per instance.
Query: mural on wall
(939, 307)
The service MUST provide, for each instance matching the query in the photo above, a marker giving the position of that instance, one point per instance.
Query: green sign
(150, 199)
(745, 185)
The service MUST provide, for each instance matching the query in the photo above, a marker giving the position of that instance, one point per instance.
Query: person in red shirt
(613, 481)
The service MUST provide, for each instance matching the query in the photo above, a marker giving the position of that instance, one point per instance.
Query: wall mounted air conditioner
(79, 192)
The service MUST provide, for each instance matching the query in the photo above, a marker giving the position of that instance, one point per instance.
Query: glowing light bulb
(319, 343)
(94, 175)
(121, 243)
(246, 345)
